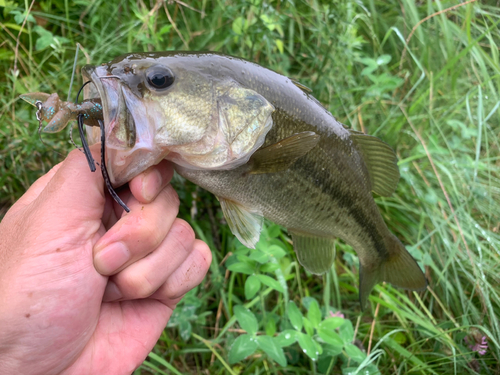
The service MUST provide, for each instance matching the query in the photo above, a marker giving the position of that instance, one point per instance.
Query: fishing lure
(58, 114)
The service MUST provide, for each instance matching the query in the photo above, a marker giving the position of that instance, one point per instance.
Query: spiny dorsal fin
(245, 224)
(301, 86)
(315, 254)
(281, 155)
(381, 162)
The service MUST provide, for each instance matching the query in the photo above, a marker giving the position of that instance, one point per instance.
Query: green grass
(437, 105)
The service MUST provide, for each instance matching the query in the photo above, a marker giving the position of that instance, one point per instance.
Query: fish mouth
(130, 125)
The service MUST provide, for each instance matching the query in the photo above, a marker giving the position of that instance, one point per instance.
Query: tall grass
(429, 88)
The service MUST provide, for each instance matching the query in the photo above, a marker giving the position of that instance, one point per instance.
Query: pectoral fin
(281, 155)
(245, 224)
(315, 254)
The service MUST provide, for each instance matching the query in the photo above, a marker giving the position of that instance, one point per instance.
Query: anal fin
(244, 223)
(315, 254)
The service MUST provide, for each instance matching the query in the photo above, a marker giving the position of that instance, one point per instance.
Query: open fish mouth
(129, 125)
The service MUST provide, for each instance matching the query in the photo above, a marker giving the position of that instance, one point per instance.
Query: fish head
(180, 107)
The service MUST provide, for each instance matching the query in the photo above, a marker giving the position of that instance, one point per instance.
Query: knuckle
(152, 237)
(191, 274)
(139, 286)
(205, 253)
(184, 229)
(183, 235)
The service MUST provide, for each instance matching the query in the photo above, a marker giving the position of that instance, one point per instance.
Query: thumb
(74, 191)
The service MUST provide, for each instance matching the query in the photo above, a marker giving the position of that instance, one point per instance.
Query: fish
(262, 144)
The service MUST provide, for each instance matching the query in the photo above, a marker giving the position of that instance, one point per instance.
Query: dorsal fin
(381, 162)
(301, 86)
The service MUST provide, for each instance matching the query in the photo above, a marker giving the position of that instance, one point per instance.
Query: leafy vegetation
(423, 78)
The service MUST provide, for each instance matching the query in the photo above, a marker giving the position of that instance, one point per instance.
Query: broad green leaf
(384, 59)
(308, 326)
(243, 346)
(165, 29)
(367, 61)
(346, 331)
(332, 350)
(242, 268)
(259, 256)
(308, 346)
(272, 349)
(279, 44)
(45, 38)
(185, 329)
(330, 337)
(252, 286)
(331, 323)
(295, 316)
(241, 250)
(273, 231)
(19, 17)
(314, 314)
(286, 338)
(238, 25)
(306, 301)
(269, 267)
(270, 282)
(270, 327)
(276, 251)
(354, 353)
(268, 21)
(247, 319)
(246, 259)
(319, 348)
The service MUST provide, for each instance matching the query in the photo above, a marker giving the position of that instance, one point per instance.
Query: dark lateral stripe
(305, 167)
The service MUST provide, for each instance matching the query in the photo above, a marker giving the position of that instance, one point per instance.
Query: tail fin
(399, 269)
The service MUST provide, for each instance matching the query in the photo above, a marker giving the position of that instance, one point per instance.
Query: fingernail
(111, 293)
(112, 257)
(151, 184)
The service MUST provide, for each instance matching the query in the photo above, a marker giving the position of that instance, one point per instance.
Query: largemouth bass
(262, 144)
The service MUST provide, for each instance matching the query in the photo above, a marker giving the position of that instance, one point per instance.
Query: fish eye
(159, 77)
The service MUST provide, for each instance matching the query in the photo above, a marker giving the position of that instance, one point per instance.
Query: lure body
(58, 114)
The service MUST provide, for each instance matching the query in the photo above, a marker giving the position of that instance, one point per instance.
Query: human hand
(58, 314)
